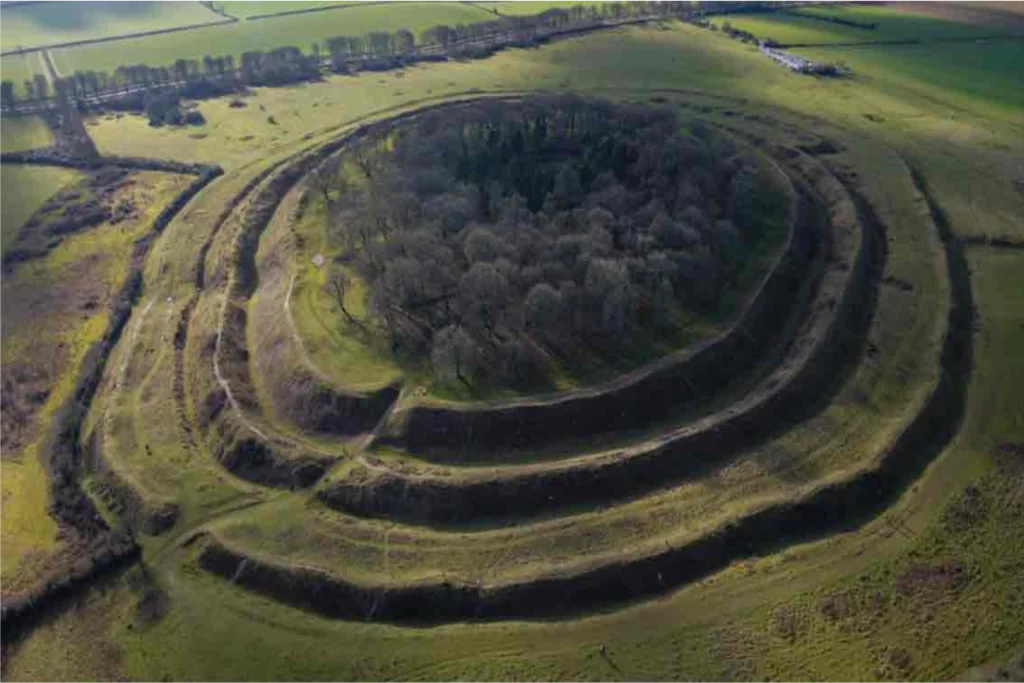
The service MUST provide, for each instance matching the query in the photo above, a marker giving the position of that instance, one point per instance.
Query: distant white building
(797, 63)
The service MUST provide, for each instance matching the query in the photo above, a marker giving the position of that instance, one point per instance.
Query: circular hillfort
(523, 356)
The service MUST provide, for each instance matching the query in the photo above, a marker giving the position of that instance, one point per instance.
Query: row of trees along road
(219, 74)
(499, 238)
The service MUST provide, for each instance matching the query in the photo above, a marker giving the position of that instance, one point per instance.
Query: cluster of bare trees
(499, 237)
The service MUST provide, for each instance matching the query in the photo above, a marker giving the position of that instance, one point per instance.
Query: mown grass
(759, 618)
(266, 34)
(30, 25)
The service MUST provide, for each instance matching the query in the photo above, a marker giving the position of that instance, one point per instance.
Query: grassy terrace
(927, 589)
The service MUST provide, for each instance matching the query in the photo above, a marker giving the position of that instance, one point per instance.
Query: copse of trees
(498, 238)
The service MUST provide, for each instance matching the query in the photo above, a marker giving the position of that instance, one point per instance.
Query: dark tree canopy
(499, 237)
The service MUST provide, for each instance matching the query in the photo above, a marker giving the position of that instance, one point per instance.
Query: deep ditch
(837, 507)
(199, 281)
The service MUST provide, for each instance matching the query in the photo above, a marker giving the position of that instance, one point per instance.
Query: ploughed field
(798, 462)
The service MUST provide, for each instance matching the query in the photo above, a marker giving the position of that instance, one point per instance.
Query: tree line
(218, 74)
(499, 240)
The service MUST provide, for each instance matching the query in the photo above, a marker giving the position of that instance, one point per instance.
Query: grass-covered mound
(513, 243)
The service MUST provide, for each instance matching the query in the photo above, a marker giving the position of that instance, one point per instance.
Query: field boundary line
(111, 39)
(906, 42)
(311, 10)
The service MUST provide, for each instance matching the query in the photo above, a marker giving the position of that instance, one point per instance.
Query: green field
(234, 39)
(527, 7)
(18, 133)
(965, 77)
(50, 23)
(926, 589)
(20, 68)
(244, 9)
(800, 26)
(25, 188)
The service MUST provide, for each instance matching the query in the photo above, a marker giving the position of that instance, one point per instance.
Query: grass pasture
(299, 30)
(25, 188)
(925, 590)
(812, 25)
(21, 68)
(527, 7)
(244, 10)
(20, 133)
(49, 23)
(965, 76)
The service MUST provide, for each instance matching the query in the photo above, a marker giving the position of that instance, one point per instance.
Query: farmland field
(806, 25)
(243, 10)
(49, 23)
(266, 34)
(972, 76)
(20, 68)
(829, 489)
(24, 132)
(32, 186)
(525, 7)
